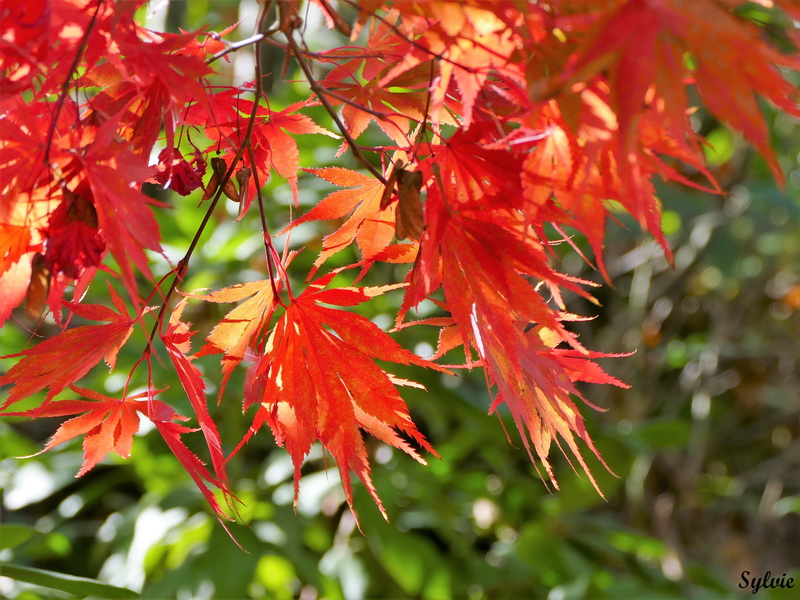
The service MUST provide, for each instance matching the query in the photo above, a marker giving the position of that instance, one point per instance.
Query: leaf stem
(271, 253)
(183, 264)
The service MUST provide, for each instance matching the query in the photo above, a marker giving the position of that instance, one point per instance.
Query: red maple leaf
(177, 341)
(114, 175)
(368, 224)
(178, 174)
(107, 423)
(57, 362)
(25, 43)
(73, 240)
(484, 262)
(236, 332)
(393, 108)
(164, 419)
(318, 380)
(473, 42)
(14, 241)
(13, 286)
(147, 85)
(474, 168)
(274, 146)
(643, 44)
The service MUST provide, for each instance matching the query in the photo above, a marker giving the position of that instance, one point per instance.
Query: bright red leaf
(177, 341)
(318, 380)
(59, 361)
(107, 423)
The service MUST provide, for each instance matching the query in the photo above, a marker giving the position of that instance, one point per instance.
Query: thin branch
(253, 39)
(328, 56)
(273, 258)
(184, 262)
(341, 25)
(375, 113)
(320, 92)
(423, 124)
(65, 86)
(271, 253)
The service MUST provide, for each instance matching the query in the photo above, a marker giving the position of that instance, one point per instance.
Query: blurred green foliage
(704, 447)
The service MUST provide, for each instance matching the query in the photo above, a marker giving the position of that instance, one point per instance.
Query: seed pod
(38, 288)
(386, 198)
(220, 168)
(213, 183)
(409, 218)
(243, 179)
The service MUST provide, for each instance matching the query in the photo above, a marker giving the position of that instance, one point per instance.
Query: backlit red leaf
(59, 361)
(177, 342)
(368, 224)
(108, 423)
(318, 380)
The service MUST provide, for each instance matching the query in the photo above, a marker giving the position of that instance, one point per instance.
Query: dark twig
(184, 262)
(425, 117)
(273, 258)
(320, 93)
(271, 253)
(65, 86)
(328, 56)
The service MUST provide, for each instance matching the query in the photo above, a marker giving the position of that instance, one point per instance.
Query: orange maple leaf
(473, 43)
(14, 242)
(107, 423)
(368, 224)
(177, 341)
(317, 380)
(235, 333)
(366, 101)
(484, 262)
(274, 146)
(642, 45)
(68, 356)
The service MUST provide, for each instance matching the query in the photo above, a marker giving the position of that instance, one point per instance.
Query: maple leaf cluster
(510, 127)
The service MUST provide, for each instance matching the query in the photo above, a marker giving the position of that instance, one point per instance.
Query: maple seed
(84, 211)
(409, 219)
(243, 178)
(386, 198)
(38, 288)
(213, 183)
(220, 168)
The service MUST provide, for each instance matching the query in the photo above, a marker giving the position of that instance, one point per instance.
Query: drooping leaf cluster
(511, 126)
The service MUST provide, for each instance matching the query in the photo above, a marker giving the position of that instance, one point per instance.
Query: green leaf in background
(79, 586)
(13, 534)
(720, 147)
(662, 433)
(409, 559)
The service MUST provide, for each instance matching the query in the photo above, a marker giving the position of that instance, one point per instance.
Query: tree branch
(253, 39)
(320, 93)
